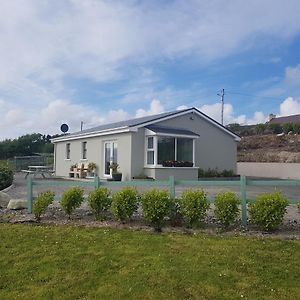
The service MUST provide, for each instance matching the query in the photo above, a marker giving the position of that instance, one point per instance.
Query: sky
(96, 61)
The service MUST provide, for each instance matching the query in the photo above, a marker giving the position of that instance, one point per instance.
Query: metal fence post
(97, 182)
(172, 186)
(243, 183)
(29, 194)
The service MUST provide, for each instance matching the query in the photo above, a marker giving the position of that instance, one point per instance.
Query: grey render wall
(95, 153)
(138, 152)
(214, 148)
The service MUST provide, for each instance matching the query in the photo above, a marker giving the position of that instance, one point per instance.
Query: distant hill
(269, 148)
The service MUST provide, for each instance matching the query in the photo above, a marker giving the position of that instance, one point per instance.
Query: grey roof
(144, 121)
(171, 130)
(286, 119)
(128, 123)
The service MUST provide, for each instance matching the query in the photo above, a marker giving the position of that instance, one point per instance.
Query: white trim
(161, 167)
(111, 142)
(93, 134)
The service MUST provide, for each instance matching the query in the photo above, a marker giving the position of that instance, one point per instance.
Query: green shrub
(298, 207)
(287, 127)
(268, 211)
(227, 173)
(41, 203)
(156, 206)
(6, 176)
(194, 206)
(226, 208)
(124, 203)
(99, 201)
(71, 199)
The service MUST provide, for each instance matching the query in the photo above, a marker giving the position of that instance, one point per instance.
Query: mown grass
(41, 262)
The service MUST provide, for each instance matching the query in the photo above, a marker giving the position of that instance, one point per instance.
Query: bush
(71, 199)
(125, 203)
(99, 201)
(298, 207)
(226, 208)
(156, 206)
(6, 176)
(194, 206)
(287, 127)
(268, 211)
(41, 203)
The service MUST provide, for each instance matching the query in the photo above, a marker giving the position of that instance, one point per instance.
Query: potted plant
(115, 174)
(92, 169)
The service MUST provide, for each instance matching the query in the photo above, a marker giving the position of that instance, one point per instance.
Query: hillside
(269, 148)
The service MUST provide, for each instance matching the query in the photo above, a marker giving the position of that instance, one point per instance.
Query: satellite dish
(64, 128)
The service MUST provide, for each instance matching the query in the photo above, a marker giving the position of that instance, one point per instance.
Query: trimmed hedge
(268, 211)
(41, 203)
(6, 177)
(71, 199)
(99, 201)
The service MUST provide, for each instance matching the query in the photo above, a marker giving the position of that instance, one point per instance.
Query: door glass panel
(107, 150)
(115, 153)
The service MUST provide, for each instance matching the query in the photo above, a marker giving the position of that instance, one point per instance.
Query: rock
(4, 199)
(17, 204)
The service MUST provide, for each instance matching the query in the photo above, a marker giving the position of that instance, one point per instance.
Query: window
(150, 150)
(68, 150)
(84, 150)
(110, 156)
(184, 149)
(164, 148)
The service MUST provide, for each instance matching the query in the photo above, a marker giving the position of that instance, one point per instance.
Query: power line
(253, 96)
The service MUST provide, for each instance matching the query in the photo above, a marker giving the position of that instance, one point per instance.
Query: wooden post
(172, 187)
(97, 182)
(29, 194)
(243, 183)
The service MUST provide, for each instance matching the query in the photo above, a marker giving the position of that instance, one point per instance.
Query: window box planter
(175, 163)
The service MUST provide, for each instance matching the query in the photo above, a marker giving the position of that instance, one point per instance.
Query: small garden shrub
(156, 206)
(6, 176)
(41, 203)
(124, 203)
(99, 201)
(71, 199)
(268, 211)
(226, 208)
(194, 206)
(298, 207)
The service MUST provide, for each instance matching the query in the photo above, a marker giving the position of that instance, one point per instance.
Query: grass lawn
(48, 262)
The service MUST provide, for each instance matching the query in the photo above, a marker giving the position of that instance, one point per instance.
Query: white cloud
(181, 107)
(214, 111)
(155, 108)
(292, 75)
(289, 107)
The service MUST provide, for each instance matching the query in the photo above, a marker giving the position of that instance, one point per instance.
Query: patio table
(42, 170)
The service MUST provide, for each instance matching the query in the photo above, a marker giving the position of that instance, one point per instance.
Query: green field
(48, 262)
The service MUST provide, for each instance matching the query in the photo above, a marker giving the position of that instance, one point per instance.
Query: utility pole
(222, 105)
(81, 125)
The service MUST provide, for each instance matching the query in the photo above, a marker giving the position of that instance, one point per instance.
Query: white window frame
(155, 143)
(112, 143)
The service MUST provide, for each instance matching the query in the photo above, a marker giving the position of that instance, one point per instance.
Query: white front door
(110, 156)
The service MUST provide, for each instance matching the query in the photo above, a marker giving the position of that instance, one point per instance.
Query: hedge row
(267, 212)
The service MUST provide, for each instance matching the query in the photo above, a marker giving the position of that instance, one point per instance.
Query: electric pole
(81, 125)
(222, 105)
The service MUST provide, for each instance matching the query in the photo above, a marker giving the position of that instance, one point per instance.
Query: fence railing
(171, 184)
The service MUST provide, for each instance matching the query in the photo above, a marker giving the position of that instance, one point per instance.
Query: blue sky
(66, 61)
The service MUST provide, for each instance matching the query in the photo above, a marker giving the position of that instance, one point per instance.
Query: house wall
(138, 152)
(163, 173)
(214, 148)
(95, 153)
